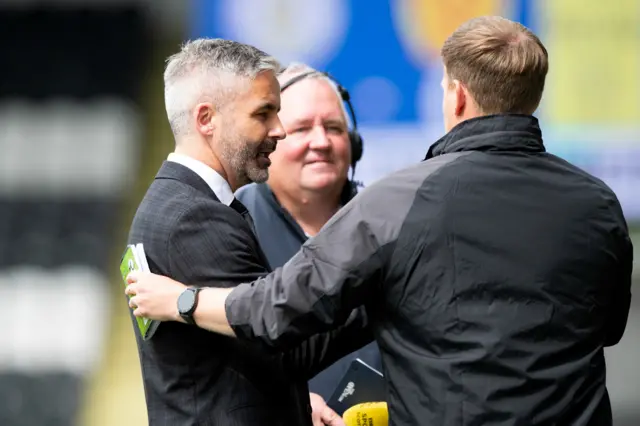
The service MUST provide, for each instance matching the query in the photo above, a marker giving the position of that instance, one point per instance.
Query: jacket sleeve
(621, 293)
(335, 272)
(213, 246)
(322, 350)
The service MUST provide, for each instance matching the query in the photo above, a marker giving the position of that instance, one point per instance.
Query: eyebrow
(268, 107)
(331, 121)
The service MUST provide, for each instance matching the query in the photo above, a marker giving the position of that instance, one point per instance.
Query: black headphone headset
(355, 139)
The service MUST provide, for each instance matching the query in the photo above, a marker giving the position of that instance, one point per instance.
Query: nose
(319, 139)
(277, 130)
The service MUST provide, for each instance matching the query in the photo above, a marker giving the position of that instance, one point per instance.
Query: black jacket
(495, 274)
(280, 237)
(194, 377)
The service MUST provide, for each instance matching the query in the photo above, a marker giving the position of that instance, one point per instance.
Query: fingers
(322, 414)
(134, 301)
(331, 418)
(133, 277)
(131, 290)
(137, 310)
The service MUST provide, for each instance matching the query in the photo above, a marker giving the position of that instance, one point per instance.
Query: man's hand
(154, 296)
(321, 414)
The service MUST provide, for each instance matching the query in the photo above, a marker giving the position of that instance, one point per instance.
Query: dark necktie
(240, 208)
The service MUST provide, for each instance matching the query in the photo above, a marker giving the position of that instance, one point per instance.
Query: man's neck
(311, 210)
(202, 153)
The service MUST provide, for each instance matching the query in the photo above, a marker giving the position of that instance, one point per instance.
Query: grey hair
(205, 69)
(295, 69)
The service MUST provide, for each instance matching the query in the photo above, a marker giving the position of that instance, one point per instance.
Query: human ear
(460, 98)
(205, 116)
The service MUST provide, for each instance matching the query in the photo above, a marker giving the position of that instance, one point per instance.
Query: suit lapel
(176, 171)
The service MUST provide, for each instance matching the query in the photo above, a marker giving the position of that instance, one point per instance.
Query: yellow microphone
(367, 414)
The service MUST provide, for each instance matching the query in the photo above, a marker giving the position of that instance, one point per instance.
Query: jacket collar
(264, 190)
(506, 132)
(216, 182)
(175, 171)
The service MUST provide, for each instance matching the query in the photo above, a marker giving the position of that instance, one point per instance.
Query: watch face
(186, 301)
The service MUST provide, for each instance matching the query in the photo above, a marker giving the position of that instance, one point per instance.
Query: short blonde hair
(501, 62)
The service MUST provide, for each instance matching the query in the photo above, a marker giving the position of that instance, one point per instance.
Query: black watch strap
(188, 318)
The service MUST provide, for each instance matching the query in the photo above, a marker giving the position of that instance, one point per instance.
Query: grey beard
(243, 163)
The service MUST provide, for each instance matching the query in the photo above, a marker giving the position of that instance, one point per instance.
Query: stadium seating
(70, 132)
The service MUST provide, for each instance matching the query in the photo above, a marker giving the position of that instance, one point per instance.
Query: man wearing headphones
(308, 183)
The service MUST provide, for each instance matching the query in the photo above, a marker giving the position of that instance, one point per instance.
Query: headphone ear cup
(356, 146)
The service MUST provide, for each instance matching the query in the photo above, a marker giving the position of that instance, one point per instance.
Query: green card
(135, 259)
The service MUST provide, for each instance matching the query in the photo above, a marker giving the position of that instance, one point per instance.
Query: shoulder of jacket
(415, 175)
(180, 200)
(247, 193)
(257, 198)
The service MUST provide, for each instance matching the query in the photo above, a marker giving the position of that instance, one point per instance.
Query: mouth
(263, 157)
(264, 154)
(266, 149)
(322, 161)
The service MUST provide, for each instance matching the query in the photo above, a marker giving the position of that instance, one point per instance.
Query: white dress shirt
(217, 183)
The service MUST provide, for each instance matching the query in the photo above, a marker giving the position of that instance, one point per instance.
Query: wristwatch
(187, 303)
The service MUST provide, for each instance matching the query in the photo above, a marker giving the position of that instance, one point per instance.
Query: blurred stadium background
(83, 130)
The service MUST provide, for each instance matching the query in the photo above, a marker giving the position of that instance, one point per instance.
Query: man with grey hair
(308, 183)
(222, 99)
(207, 85)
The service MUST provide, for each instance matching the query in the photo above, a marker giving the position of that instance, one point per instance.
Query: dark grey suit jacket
(194, 377)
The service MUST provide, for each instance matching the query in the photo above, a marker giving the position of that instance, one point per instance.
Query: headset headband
(343, 92)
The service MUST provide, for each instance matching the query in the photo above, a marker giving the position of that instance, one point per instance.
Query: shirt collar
(217, 183)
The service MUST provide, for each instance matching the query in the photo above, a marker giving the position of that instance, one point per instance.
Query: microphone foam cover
(367, 414)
